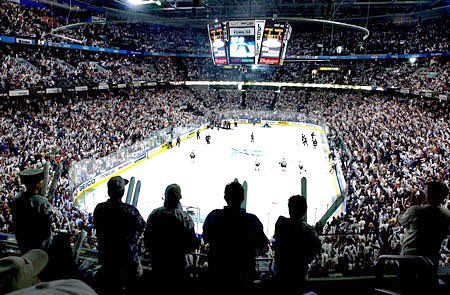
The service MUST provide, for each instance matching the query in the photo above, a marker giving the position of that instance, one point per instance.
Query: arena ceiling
(200, 12)
(328, 9)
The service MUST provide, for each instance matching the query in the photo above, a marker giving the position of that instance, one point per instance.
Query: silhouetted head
(435, 192)
(297, 206)
(172, 196)
(32, 179)
(234, 194)
(116, 187)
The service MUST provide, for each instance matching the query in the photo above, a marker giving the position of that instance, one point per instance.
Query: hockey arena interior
(224, 146)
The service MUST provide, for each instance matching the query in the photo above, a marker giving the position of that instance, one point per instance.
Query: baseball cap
(172, 195)
(32, 175)
(117, 183)
(59, 287)
(17, 272)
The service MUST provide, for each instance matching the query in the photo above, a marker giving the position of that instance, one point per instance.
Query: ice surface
(231, 155)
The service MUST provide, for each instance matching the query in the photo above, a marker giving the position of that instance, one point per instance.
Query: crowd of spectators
(25, 67)
(70, 128)
(390, 164)
(396, 144)
(25, 22)
(307, 39)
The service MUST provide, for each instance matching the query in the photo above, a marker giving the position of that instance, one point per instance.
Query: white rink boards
(232, 155)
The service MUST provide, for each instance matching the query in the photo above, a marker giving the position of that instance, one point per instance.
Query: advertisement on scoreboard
(272, 44)
(217, 37)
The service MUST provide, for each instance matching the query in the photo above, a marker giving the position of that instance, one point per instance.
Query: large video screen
(242, 46)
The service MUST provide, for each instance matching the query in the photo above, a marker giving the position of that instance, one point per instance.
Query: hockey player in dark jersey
(304, 140)
(192, 155)
(257, 164)
(283, 165)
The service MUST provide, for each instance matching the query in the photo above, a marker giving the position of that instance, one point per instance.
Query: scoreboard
(249, 42)
(217, 37)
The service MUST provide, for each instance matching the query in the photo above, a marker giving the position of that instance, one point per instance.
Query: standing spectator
(234, 238)
(21, 272)
(426, 226)
(295, 244)
(60, 287)
(32, 214)
(169, 236)
(119, 227)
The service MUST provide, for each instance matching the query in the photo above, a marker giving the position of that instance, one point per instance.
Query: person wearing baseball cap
(118, 228)
(169, 236)
(19, 272)
(32, 213)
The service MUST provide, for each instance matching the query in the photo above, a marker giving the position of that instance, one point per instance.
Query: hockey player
(304, 140)
(314, 143)
(300, 166)
(178, 141)
(198, 134)
(208, 139)
(257, 164)
(283, 165)
(252, 138)
(192, 155)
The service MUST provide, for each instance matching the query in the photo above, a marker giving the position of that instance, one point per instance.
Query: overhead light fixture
(141, 2)
(412, 60)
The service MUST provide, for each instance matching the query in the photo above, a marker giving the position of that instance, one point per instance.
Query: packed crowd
(384, 38)
(25, 22)
(70, 128)
(25, 67)
(390, 164)
(305, 40)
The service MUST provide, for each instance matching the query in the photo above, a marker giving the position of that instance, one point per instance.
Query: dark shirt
(169, 235)
(118, 227)
(233, 243)
(295, 244)
(32, 218)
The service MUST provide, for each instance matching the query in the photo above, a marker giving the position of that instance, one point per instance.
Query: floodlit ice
(232, 155)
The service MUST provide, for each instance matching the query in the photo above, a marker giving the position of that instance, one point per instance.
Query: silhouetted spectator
(32, 214)
(119, 227)
(426, 226)
(169, 236)
(17, 273)
(295, 244)
(234, 238)
(60, 287)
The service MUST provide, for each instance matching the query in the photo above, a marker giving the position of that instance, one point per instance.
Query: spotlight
(412, 60)
(141, 2)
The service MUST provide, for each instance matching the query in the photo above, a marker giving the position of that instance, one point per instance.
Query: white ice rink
(231, 155)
